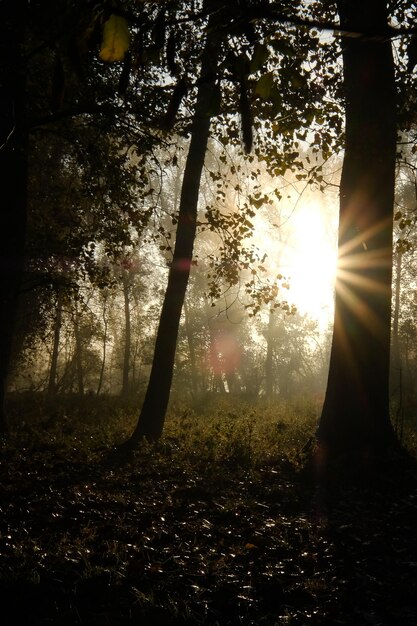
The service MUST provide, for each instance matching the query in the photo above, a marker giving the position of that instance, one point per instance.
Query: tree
(152, 416)
(52, 383)
(69, 96)
(13, 172)
(355, 420)
(128, 338)
(404, 310)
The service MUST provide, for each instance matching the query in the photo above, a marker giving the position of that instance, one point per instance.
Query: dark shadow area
(169, 540)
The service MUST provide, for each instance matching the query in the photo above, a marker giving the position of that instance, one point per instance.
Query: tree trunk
(152, 416)
(103, 362)
(396, 354)
(216, 365)
(355, 420)
(269, 365)
(191, 349)
(79, 355)
(13, 173)
(55, 349)
(126, 357)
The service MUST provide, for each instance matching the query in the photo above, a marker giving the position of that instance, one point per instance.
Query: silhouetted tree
(152, 416)
(13, 175)
(355, 420)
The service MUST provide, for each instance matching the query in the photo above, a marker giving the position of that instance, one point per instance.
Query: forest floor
(173, 538)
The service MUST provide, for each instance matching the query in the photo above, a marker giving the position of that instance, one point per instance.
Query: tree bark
(269, 364)
(103, 361)
(13, 173)
(396, 354)
(152, 416)
(126, 356)
(355, 418)
(79, 355)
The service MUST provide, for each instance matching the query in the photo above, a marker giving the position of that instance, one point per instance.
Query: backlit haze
(301, 244)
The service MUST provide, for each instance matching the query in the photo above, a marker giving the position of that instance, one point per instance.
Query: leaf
(297, 80)
(276, 101)
(282, 46)
(115, 42)
(241, 63)
(264, 85)
(260, 56)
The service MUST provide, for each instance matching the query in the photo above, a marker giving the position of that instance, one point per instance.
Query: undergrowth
(227, 430)
(213, 525)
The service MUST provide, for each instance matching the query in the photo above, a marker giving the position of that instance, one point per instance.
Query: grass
(225, 430)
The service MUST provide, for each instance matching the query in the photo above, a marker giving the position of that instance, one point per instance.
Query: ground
(173, 538)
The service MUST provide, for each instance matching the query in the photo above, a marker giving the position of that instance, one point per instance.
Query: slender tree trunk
(103, 361)
(13, 176)
(269, 381)
(126, 357)
(215, 362)
(191, 349)
(396, 355)
(79, 356)
(55, 349)
(135, 373)
(355, 420)
(152, 416)
(232, 382)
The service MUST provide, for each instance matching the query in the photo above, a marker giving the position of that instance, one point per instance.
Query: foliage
(115, 41)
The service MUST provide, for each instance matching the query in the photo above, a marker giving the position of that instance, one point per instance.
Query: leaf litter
(161, 541)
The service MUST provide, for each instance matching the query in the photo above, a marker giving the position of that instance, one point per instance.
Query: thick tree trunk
(128, 339)
(355, 418)
(152, 416)
(13, 173)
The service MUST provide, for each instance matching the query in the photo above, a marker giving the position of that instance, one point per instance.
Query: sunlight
(359, 275)
(312, 262)
(304, 249)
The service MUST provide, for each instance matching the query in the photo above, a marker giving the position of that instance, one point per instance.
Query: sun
(302, 246)
(312, 262)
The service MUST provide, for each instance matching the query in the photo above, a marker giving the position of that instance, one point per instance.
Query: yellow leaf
(115, 42)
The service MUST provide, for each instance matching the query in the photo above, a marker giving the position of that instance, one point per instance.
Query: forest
(208, 346)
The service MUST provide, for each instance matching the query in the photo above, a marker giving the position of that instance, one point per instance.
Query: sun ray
(303, 249)
(361, 309)
(361, 238)
(371, 259)
(363, 282)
